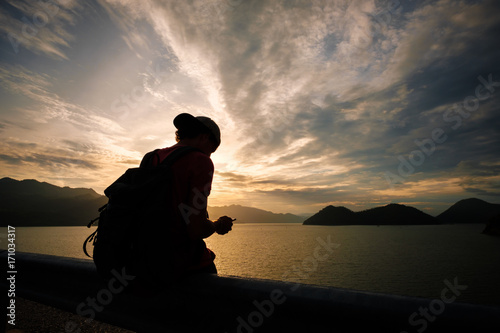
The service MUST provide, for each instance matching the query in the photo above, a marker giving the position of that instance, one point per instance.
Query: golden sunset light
(333, 102)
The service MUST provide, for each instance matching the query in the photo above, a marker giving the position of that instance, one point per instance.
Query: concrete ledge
(207, 303)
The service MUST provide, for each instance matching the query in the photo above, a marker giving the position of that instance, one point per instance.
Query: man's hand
(223, 225)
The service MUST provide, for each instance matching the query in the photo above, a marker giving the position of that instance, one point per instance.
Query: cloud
(49, 105)
(316, 100)
(331, 78)
(56, 137)
(40, 27)
(10, 159)
(233, 177)
(480, 177)
(47, 161)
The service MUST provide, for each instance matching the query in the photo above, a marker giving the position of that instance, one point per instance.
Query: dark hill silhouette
(332, 215)
(33, 203)
(249, 214)
(395, 214)
(469, 211)
(392, 214)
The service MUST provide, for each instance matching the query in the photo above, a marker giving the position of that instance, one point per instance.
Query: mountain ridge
(251, 214)
(467, 210)
(471, 210)
(32, 203)
(391, 214)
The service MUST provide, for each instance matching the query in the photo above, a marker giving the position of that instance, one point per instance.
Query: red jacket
(193, 175)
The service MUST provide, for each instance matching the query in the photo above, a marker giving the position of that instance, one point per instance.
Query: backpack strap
(149, 158)
(89, 239)
(93, 235)
(176, 154)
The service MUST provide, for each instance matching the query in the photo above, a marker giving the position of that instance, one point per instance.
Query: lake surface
(405, 260)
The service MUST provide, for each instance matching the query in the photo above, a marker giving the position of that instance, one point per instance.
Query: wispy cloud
(49, 105)
(40, 27)
(36, 132)
(317, 101)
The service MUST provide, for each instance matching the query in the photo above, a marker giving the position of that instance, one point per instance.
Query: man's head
(199, 130)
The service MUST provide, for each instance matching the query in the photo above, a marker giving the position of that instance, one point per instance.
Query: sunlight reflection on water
(408, 260)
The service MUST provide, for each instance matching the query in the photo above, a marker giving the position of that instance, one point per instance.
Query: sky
(345, 103)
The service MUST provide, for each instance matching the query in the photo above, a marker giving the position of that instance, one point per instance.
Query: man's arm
(200, 227)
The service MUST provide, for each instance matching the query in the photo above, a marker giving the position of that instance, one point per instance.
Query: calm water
(406, 260)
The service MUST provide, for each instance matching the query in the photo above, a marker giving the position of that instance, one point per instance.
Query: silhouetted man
(192, 182)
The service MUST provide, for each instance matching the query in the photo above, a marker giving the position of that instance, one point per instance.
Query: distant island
(392, 214)
(33, 203)
(469, 211)
(464, 211)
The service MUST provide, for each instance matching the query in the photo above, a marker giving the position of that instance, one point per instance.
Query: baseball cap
(186, 120)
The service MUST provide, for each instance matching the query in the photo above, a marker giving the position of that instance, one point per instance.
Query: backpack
(139, 230)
